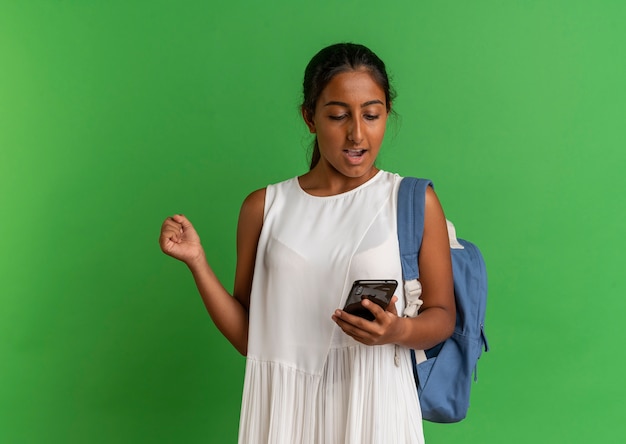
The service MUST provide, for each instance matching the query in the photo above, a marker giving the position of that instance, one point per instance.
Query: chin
(357, 172)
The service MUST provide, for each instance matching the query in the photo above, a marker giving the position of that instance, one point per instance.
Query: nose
(355, 133)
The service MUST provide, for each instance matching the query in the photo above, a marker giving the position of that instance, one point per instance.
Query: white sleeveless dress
(306, 381)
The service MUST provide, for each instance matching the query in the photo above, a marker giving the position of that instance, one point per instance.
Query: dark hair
(333, 60)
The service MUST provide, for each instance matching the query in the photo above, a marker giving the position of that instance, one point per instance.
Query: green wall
(115, 114)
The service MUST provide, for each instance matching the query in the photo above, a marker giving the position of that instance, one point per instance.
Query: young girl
(314, 373)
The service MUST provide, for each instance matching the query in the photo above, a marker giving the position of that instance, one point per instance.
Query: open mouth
(355, 153)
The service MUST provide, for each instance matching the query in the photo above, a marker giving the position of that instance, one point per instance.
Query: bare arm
(230, 314)
(437, 315)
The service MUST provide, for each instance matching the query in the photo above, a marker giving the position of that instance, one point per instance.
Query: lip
(355, 156)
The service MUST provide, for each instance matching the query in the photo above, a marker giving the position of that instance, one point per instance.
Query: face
(349, 121)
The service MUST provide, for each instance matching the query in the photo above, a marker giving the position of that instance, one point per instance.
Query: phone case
(379, 291)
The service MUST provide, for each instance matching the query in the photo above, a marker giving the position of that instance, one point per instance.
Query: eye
(338, 117)
(371, 116)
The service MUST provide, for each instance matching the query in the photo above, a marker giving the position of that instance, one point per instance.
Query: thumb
(391, 308)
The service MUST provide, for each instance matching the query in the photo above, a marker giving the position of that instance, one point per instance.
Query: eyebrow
(363, 105)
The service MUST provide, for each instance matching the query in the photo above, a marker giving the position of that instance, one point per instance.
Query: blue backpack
(444, 379)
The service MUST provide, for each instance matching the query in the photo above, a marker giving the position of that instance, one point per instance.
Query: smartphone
(376, 290)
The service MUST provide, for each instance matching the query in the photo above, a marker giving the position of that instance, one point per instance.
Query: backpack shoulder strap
(411, 207)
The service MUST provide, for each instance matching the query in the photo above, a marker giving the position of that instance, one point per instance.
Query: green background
(116, 114)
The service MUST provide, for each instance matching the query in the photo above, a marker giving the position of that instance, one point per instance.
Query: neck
(324, 180)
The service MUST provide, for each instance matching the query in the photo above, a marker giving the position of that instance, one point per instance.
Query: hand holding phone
(379, 291)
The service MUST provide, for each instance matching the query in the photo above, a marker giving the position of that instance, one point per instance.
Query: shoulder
(432, 205)
(250, 220)
(431, 198)
(254, 204)
(434, 215)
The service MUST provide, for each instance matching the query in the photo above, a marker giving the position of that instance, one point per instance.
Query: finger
(172, 224)
(347, 323)
(170, 234)
(344, 317)
(356, 326)
(182, 220)
(391, 308)
(376, 309)
(167, 244)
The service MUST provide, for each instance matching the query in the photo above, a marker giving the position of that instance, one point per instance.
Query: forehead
(352, 87)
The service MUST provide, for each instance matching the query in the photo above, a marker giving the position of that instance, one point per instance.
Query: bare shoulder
(254, 203)
(251, 214)
(433, 205)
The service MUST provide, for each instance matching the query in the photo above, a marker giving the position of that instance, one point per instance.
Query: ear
(308, 119)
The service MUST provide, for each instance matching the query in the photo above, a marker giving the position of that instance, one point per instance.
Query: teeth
(355, 152)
